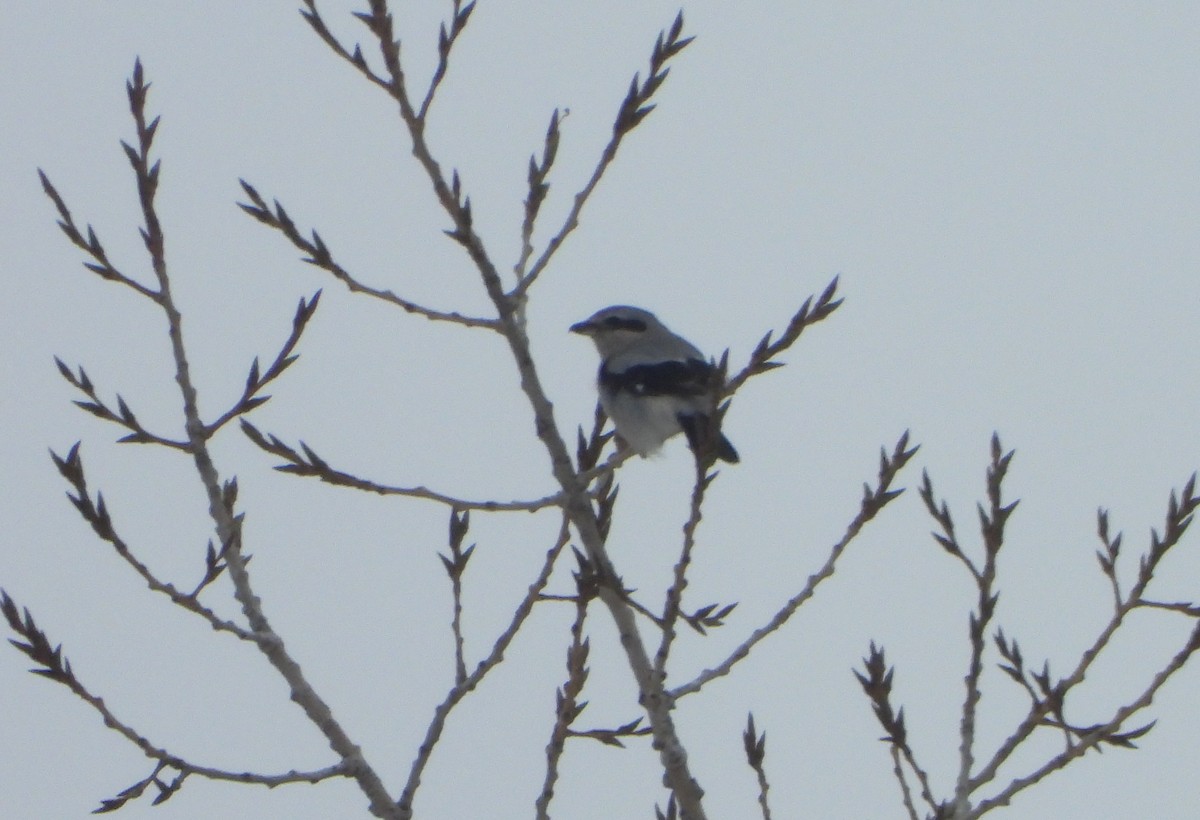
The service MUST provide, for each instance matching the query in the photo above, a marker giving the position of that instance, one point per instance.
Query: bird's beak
(583, 328)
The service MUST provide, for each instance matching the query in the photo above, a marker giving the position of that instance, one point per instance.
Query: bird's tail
(705, 439)
(725, 450)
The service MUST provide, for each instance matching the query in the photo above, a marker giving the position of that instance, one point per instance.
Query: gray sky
(1008, 192)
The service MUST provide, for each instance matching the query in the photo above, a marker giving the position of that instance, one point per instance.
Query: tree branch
(874, 500)
(97, 514)
(228, 524)
(320, 256)
(567, 705)
(101, 266)
(309, 463)
(762, 359)
(446, 40)
(256, 381)
(52, 664)
(634, 108)
(577, 501)
(461, 689)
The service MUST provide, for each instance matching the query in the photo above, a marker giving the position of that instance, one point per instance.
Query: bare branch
(228, 525)
(1108, 732)
(876, 681)
(672, 606)
(101, 266)
(1049, 696)
(874, 500)
(539, 173)
(446, 40)
(456, 565)
(634, 108)
(309, 463)
(319, 255)
(762, 359)
(122, 416)
(461, 690)
(567, 704)
(256, 380)
(355, 57)
(52, 664)
(97, 514)
(756, 751)
(992, 523)
(577, 502)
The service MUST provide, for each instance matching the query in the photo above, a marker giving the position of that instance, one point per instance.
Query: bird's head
(616, 328)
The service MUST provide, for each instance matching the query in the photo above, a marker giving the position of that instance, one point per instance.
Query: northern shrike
(654, 384)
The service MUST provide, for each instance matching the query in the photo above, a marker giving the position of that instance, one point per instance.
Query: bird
(654, 384)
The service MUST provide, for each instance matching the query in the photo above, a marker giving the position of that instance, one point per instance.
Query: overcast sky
(1009, 192)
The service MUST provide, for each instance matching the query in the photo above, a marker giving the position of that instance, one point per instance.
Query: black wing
(693, 377)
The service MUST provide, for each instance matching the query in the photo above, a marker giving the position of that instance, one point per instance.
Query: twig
(992, 523)
(446, 40)
(320, 256)
(640, 609)
(756, 751)
(634, 108)
(905, 791)
(876, 681)
(567, 705)
(1182, 607)
(874, 500)
(612, 737)
(228, 524)
(53, 665)
(102, 267)
(313, 17)
(672, 606)
(460, 690)
(762, 359)
(96, 513)
(256, 381)
(607, 468)
(538, 188)
(122, 416)
(1108, 558)
(455, 565)
(309, 463)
